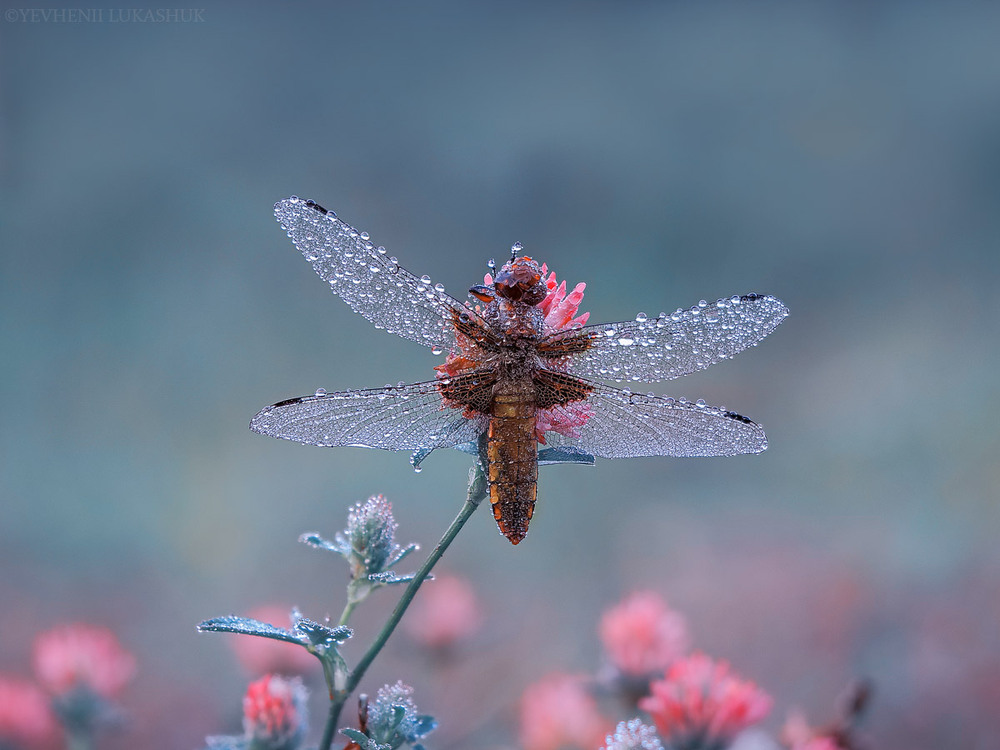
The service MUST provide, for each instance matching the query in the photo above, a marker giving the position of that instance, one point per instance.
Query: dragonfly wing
(367, 279)
(669, 346)
(409, 417)
(620, 424)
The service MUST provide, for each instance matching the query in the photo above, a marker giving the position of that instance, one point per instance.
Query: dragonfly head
(520, 280)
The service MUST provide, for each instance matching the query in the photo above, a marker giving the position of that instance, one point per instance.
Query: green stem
(346, 615)
(478, 490)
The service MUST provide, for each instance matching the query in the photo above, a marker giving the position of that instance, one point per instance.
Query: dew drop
(365, 236)
(641, 318)
(320, 392)
(437, 350)
(625, 341)
(700, 403)
(425, 279)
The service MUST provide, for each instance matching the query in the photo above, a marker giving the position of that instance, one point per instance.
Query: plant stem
(346, 615)
(478, 490)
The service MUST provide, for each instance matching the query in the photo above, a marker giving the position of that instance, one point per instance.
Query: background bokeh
(842, 156)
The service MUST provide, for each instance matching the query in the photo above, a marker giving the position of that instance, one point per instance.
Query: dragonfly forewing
(367, 278)
(651, 350)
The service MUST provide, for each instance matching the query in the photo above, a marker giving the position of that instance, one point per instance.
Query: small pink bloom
(445, 611)
(562, 419)
(263, 655)
(701, 698)
(25, 717)
(560, 308)
(558, 712)
(643, 635)
(274, 712)
(79, 655)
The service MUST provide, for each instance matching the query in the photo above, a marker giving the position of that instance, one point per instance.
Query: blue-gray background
(842, 156)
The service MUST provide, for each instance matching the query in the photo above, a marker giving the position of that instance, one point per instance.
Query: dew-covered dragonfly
(520, 371)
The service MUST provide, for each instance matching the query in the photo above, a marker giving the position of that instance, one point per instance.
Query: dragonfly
(520, 385)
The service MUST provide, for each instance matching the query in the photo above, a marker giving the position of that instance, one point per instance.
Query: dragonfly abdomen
(513, 460)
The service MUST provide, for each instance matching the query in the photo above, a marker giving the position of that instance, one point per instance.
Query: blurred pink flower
(81, 655)
(25, 717)
(642, 634)
(558, 712)
(274, 712)
(797, 734)
(261, 656)
(445, 610)
(699, 700)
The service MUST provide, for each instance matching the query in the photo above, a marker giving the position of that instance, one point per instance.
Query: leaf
(566, 454)
(322, 635)
(403, 552)
(362, 740)
(313, 539)
(388, 577)
(249, 626)
(424, 725)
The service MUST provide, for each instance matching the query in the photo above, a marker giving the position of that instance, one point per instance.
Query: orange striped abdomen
(513, 462)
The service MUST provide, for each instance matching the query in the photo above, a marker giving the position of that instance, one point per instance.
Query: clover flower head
(25, 717)
(560, 309)
(394, 720)
(274, 713)
(700, 704)
(633, 735)
(78, 656)
(558, 711)
(371, 532)
(642, 634)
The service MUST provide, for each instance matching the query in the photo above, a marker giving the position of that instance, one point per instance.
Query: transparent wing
(408, 417)
(622, 424)
(372, 283)
(651, 350)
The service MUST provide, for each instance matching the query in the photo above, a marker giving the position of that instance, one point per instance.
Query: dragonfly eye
(482, 293)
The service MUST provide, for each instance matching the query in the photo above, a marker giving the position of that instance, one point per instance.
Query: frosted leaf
(408, 417)
(651, 350)
(373, 285)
